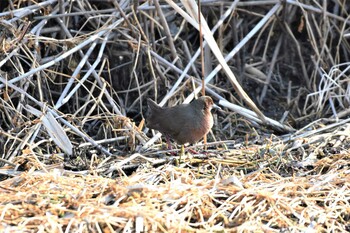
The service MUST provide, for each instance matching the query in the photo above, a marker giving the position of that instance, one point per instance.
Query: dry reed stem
(170, 199)
(83, 69)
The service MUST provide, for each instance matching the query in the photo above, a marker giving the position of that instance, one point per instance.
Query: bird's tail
(154, 107)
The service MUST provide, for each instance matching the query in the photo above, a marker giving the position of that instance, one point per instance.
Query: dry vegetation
(76, 157)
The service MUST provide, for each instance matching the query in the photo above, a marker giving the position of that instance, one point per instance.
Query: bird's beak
(216, 107)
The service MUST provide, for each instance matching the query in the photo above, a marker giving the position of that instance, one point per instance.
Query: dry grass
(172, 199)
(75, 155)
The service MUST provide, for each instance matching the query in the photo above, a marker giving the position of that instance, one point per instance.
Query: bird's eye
(206, 105)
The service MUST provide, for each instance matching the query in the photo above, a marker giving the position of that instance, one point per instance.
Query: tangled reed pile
(76, 157)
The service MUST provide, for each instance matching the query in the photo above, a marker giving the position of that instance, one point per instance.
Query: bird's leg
(168, 142)
(193, 151)
(169, 145)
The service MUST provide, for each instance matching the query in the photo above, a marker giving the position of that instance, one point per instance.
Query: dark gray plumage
(185, 123)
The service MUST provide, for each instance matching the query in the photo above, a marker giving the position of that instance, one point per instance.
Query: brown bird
(185, 123)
